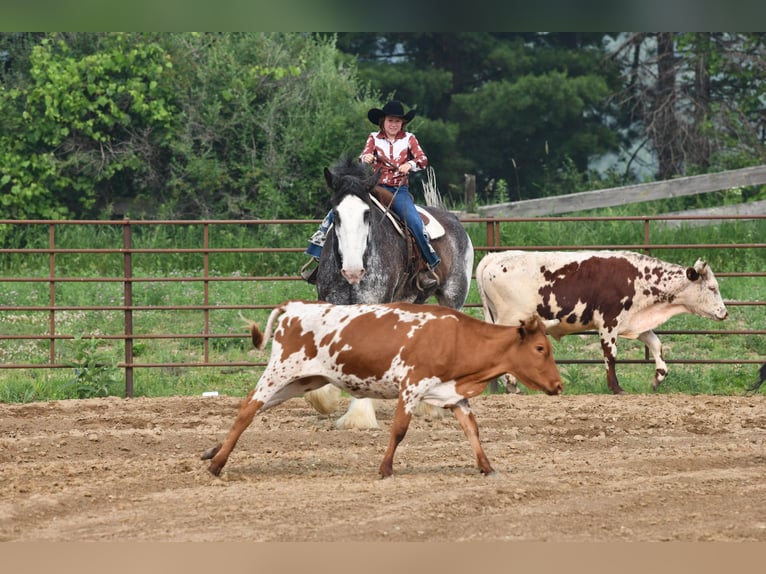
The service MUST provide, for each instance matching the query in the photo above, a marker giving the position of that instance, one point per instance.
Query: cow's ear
(522, 331)
(692, 274)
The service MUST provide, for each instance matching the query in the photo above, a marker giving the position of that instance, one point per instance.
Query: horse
(367, 258)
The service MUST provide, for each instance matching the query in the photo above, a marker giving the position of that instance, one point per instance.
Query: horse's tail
(762, 375)
(259, 339)
(430, 190)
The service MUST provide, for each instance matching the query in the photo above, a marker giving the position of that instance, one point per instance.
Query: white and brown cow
(411, 352)
(619, 293)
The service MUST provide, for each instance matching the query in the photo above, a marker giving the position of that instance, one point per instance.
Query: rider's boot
(314, 250)
(309, 273)
(428, 278)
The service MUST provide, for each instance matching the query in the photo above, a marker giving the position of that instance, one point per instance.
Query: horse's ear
(328, 177)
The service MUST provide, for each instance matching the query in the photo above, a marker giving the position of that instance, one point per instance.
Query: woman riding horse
(395, 153)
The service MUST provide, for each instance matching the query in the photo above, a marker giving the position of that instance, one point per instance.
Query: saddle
(431, 226)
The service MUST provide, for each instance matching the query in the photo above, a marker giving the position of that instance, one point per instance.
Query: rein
(388, 208)
(401, 228)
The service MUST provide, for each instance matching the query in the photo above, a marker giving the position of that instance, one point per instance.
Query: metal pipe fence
(44, 262)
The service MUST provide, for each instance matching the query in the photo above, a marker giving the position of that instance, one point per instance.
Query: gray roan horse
(366, 259)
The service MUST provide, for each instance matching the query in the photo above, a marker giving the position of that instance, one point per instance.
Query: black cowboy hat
(392, 108)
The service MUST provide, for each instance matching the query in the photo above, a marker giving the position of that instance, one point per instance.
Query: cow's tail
(762, 378)
(489, 315)
(259, 338)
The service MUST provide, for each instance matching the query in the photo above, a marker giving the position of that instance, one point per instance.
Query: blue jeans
(404, 207)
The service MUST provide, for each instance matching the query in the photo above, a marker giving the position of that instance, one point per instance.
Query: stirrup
(310, 275)
(426, 279)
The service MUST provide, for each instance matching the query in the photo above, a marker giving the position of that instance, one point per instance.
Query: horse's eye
(366, 216)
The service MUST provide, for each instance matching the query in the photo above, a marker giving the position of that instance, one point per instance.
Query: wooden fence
(615, 196)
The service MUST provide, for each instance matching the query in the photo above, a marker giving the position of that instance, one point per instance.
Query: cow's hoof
(208, 454)
(215, 469)
(384, 475)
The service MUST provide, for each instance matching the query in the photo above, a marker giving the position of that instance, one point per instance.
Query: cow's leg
(463, 414)
(609, 348)
(398, 429)
(220, 453)
(652, 341)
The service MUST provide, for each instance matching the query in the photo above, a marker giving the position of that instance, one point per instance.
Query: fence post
(647, 251)
(52, 292)
(206, 288)
(469, 185)
(493, 233)
(127, 260)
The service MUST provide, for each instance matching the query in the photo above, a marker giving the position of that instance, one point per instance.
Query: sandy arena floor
(570, 468)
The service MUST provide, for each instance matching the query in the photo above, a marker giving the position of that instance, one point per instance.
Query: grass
(93, 363)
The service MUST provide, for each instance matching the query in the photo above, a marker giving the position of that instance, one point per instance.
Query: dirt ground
(570, 468)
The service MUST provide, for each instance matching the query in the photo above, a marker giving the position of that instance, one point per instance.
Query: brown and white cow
(619, 293)
(411, 352)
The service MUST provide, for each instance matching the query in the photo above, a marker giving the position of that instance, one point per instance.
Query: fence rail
(129, 307)
(682, 186)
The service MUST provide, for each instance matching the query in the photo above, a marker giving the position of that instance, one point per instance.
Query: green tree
(182, 125)
(514, 107)
(696, 98)
(263, 114)
(82, 124)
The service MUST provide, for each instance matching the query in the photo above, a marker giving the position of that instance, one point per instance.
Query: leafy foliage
(82, 124)
(95, 373)
(241, 125)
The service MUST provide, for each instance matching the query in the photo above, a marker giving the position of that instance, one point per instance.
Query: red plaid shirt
(390, 155)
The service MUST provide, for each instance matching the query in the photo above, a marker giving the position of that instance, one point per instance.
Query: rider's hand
(368, 157)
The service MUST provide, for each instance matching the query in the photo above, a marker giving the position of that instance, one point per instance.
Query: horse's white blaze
(352, 237)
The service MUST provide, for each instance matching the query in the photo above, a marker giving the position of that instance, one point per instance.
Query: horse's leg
(360, 415)
(324, 400)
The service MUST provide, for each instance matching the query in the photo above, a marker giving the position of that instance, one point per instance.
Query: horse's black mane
(351, 177)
